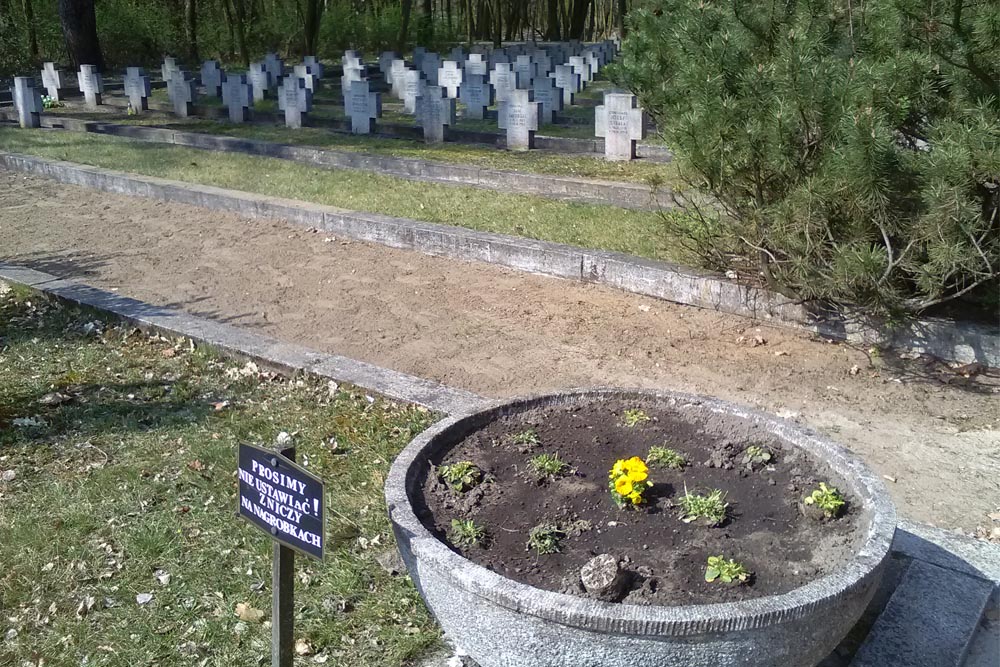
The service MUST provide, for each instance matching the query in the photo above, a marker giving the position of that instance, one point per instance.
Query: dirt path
(501, 333)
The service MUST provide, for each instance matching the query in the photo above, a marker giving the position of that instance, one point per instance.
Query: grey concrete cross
(28, 101)
(314, 65)
(413, 83)
(450, 77)
(385, 60)
(53, 80)
(504, 80)
(211, 78)
(475, 63)
(237, 95)
(430, 65)
(303, 72)
(363, 107)
(498, 56)
(137, 89)
(568, 81)
(520, 116)
(351, 57)
(91, 85)
(435, 111)
(526, 70)
(620, 121)
(476, 93)
(275, 67)
(351, 73)
(295, 100)
(182, 93)
(457, 54)
(549, 96)
(418, 56)
(581, 67)
(168, 67)
(543, 62)
(396, 75)
(260, 81)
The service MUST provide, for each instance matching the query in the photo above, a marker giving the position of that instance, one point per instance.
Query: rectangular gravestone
(168, 67)
(237, 96)
(477, 64)
(549, 97)
(259, 81)
(620, 121)
(526, 72)
(137, 89)
(396, 77)
(476, 93)
(28, 102)
(520, 116)
(581, 67)
(295, 100)
(275, 67)
(54, 81)
(435, 111)
(430, 66)
(413, 82)
(363, 107)
(302, 72)
(350, 74)
(182, 93)
(314, 65)
(91, 85)
(568, 81)
(211, 78)
(450, 77)
(504, 80)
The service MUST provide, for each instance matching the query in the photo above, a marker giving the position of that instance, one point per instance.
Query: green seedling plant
(710, 508)
(527, 438)
(465, 533)
(462, 476)
(756, 456)
(725, 570)
(547, 466)
(634, 417)
(664, 457)
(827, 498)
(545, 538)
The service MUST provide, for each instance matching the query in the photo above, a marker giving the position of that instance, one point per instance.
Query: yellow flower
(618, 469)
(635, 497)
(623, 486)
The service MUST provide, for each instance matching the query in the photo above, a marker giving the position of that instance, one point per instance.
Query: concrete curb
(962, 342)
(232, 341)
(612, 193)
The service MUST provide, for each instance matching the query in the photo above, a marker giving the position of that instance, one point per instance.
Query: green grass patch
(117, 460)
(593, 226)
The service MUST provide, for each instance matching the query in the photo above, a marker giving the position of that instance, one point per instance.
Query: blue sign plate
(283, 499)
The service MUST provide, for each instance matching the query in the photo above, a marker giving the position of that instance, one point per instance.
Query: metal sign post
(287, 502)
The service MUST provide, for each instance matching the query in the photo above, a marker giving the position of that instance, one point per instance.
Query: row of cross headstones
(528, 88)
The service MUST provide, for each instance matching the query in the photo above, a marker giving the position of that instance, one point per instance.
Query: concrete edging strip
(962, 342)
(236, 342)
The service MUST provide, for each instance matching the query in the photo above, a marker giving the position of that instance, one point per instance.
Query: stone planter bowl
(503, 623)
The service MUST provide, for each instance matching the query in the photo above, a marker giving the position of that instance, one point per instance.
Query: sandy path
(500, 333)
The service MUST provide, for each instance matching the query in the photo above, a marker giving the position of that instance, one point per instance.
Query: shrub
(852, 150)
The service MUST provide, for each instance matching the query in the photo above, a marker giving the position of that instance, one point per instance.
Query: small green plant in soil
(462, 476)
(634, 417)
(527, 438)
(826, 498)
(664, 457)
(710, 508)
(547, 466)
(755, 457)
(725, 570)
(545, 538)
(465, 533)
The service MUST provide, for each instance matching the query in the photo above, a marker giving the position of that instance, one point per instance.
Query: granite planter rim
(679, 620)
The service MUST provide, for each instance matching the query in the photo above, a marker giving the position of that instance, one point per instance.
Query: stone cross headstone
(181, 90)
(549, 96)
(504, 80)
(396, 73)
(314, 65)
(54, 81)
(168, 67)
(237, 95)
(385, 61)
(476, 93)
(526, 71)
(351, 56)
(581, 67)
(350, 74)
(450, 77)
(211, 78)
(275, 67)
(568, 81)
(458, 55)
(413, 82)
(353, 62)
(543, 63)
(435, 111)
(594, 61)
(476, 64)
(137, 89)
(302, 72)
(498, 56)
(430, 66)
(520, 116)
(260, 81)
(418, 57)
(295, 100)
(28, 101)
(619, 120)
(91, 85)
(363, 107)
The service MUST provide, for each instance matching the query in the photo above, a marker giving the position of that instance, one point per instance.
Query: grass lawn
(593, 226)
(118, 538)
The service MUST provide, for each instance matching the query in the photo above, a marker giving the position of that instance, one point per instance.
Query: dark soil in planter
(766, 529)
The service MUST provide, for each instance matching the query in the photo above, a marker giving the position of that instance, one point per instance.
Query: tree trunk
(312, 20)
(79, 27)
(191, 30)
(229, 25)
(427, 24)
(578, 19)
(498, 24)
(239, 27)
(29, 21)
(552, 32)
(622, 11)
(404, 25)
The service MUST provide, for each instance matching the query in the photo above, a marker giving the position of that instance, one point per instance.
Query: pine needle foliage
(852, 147)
